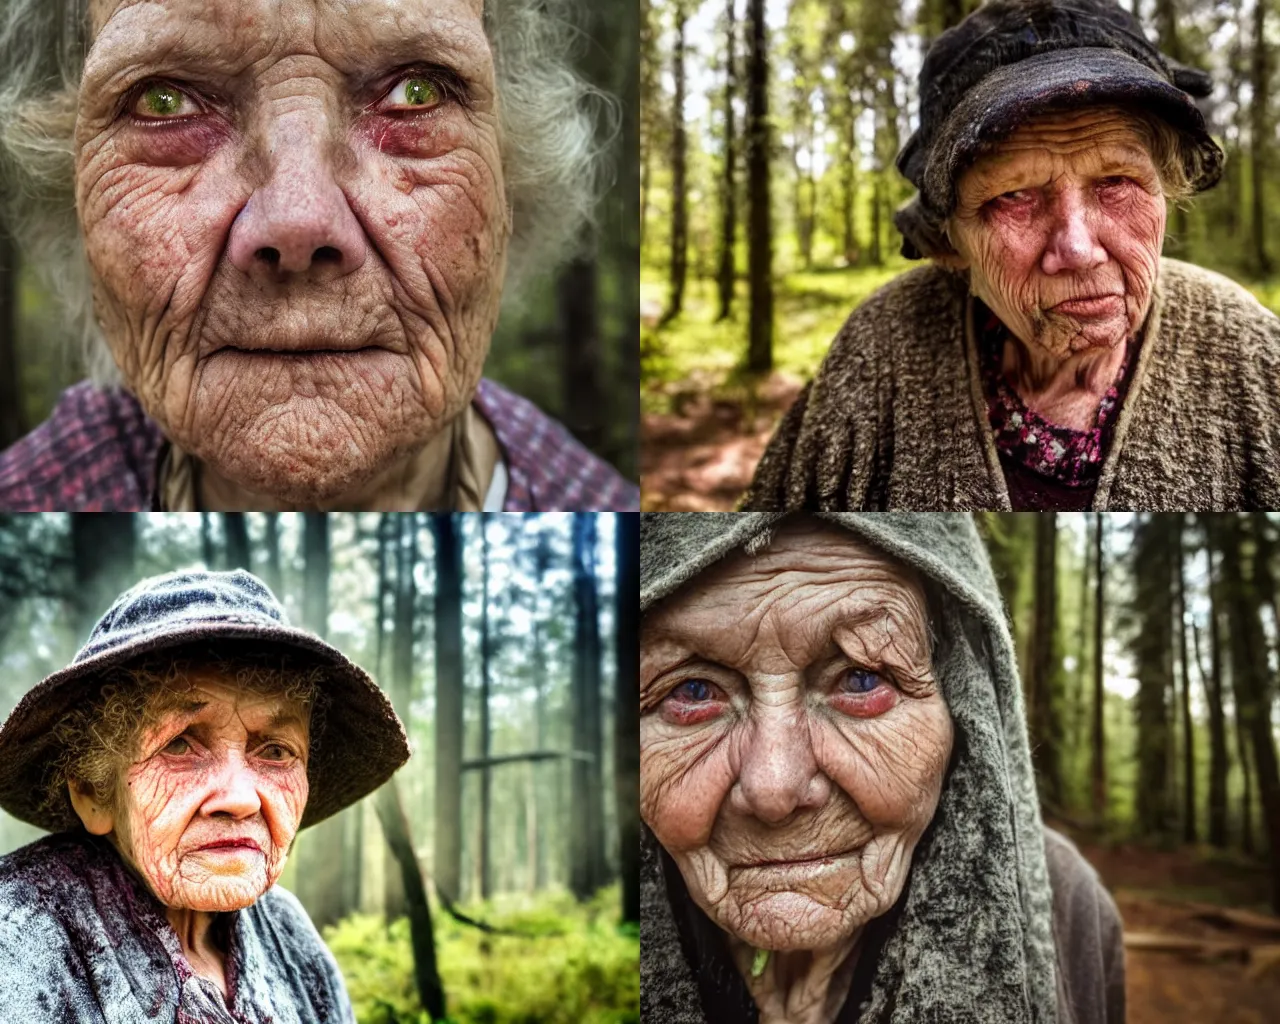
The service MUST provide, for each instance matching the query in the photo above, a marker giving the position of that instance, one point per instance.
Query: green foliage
(577, 965)
(811, 308)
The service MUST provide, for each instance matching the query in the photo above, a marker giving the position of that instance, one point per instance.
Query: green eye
(419, 92)
(162, 100)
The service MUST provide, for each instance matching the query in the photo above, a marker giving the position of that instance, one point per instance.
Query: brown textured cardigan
(895, 418)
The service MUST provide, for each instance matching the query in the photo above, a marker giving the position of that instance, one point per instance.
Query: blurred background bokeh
(569, 345)
(522, 629)
(1149, 651)
(810, 175)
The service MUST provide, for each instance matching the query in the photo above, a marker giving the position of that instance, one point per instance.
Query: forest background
(1150, 657)
(768, 132)
(569, 344)
(496, 879)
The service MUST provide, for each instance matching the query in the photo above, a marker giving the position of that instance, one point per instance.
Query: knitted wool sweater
(896, 419)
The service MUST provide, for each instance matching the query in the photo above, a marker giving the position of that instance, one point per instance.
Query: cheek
(436, 211)
(284, 798)
(892, 767)
(1004, 254)
(1134, 236)
(684, 778)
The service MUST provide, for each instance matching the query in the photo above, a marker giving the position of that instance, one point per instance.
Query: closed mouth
(232, 844)
(791, 862)
(301, 350)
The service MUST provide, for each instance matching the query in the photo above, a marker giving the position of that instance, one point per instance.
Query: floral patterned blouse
(1071, 457)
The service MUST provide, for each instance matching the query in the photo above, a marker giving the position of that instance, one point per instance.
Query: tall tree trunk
(447, 834)
(587, 868)
(404, 605)
(1250, 673)
(583, 374)
(103, 549)
(679, 197)
(728, 181)
(233, 523)
(1188, 733)
(271, 572)
(486, 777)
(849, 185)
(759, 232)
(395, 826)
(1213, 701)
(13, 422)
(1098, 775)
(1260, 131)
(1166, 24)
(1153, 654)
(1046, 660)
(626, 736)
(207, 552)
(322, 864)
(542, 561)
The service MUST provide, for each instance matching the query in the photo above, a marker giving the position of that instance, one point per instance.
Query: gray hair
(556, 130)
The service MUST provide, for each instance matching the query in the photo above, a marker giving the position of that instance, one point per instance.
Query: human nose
(1073, 244)
(235, 790)
(779, 773)
(298, 220)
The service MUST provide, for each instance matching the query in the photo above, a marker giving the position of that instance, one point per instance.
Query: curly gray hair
(556, 129)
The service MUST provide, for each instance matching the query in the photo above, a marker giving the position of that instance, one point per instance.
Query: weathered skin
(298, 269)
(1068, 207)
(230, 766)
(759, 750)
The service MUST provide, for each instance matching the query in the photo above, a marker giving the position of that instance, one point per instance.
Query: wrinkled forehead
(323, 27)
(207, 697)
(794, 585)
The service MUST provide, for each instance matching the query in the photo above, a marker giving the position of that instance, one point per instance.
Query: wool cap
(1011, 60)
(356, 745)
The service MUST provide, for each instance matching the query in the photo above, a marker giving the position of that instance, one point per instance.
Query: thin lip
(232, 844)
(816, 859)
(300, 350)
(1088, 298)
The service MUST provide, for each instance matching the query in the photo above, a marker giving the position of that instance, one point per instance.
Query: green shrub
(575, 965)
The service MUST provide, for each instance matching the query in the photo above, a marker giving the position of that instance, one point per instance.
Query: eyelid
(451, 85)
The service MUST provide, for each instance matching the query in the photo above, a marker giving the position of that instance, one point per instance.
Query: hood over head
(973, 934)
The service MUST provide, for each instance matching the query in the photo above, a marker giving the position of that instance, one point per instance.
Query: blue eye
(859, 680)
(694, 690)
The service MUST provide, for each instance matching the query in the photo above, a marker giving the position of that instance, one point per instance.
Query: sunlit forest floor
(705, 422)
(1229, 970)
(569, 963)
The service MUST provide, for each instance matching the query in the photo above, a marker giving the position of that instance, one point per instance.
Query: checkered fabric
(98, 453)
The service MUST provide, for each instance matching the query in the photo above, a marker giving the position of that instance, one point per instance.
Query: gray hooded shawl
(974, 936)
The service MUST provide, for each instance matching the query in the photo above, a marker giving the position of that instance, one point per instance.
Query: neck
(195, 935)
(802, 986)
(420, 480)
(1064, 391)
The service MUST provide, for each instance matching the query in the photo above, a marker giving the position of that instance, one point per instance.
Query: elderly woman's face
(294, 214)
(1061, 229)
(793, 741)
(212, 804)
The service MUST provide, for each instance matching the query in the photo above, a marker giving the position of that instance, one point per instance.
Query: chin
(791, 922)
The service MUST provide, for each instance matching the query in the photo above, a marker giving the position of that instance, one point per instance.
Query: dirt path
(1159, 892)
(701, 457)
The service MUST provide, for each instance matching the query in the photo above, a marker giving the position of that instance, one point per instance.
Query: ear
(97, 819)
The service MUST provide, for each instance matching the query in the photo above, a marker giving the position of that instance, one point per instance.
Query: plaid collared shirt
(98, 452)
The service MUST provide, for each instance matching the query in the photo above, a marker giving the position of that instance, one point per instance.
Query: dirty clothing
(99, 452)
(1001, 921)
(83, 941)
(896, 418)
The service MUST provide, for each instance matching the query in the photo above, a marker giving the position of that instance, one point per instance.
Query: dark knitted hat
(1011, 60)
(355, 747)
